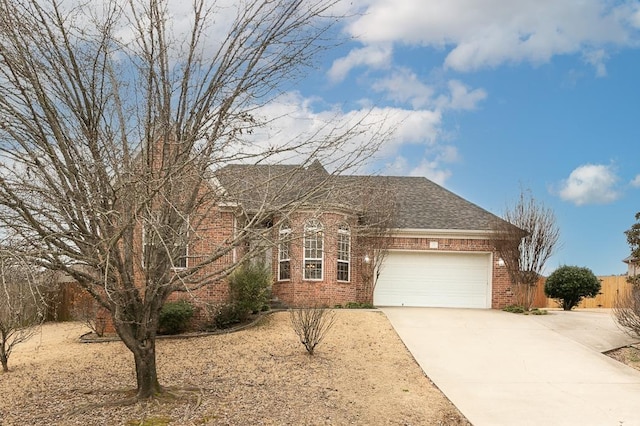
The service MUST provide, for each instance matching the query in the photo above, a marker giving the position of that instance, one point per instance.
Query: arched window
(313, 250)
(284, 252)
(344, 252)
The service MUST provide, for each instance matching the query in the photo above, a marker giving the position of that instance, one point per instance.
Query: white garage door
(452, 280)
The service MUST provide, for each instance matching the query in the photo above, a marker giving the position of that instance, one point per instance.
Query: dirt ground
(361, 374)
(628, 355)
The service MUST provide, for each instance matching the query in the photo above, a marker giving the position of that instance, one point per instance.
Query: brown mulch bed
(361, 374)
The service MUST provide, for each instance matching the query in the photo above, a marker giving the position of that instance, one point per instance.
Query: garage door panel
(434, 279)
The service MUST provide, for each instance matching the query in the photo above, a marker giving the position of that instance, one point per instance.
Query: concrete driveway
(505, 369)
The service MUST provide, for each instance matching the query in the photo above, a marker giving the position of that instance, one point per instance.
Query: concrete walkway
(505, 369)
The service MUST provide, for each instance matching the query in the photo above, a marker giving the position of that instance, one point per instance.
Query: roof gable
(273, 186)
(418, 202)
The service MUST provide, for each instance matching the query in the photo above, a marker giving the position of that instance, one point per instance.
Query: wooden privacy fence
(612, 285)
(60, 300)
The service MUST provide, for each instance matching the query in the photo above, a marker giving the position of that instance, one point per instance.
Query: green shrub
(514, 309)
(354, 305)
(150, 421)
(570, 284)
(175, 317)
(249, 289)
(517, 309)
(357, 305)
(228, 315)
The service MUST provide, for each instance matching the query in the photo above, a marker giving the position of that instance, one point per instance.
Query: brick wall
(501, 285)
(328, 291)
(298, 292)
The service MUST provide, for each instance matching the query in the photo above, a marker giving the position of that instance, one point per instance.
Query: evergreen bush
(249, 287)
(175, 317)
(570, 284)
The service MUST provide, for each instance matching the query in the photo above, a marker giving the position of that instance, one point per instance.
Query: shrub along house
(390, 241)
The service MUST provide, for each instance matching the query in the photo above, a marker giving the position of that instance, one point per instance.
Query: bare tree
(21, 304)
(374, 230)
(311, 325)
(626, 310)
(115, 126)
(525, 241)
(633, 239)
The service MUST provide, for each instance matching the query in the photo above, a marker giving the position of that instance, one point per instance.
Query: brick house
(333, 239)
(319, 243)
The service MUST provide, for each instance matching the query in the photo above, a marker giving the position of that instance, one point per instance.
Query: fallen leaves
(361, 374)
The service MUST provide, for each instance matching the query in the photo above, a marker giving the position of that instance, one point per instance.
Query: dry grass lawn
(361, 374)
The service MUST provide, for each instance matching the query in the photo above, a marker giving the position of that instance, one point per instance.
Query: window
(149, 240)
(152, 242)
(284, 252)
(181, 246)
(313, 250)
(344, 252)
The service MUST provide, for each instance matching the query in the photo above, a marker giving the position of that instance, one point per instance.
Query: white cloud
(597, 58)
(635, 17)
(461, 98)
(180, 18)
(432, 164)
(397, 167)
(636, 181)
(448, 154)
(375, 56)
(414, 126)
(432, 170)
(590, 184)
(488, 33)
(292, 118)
(404, 86)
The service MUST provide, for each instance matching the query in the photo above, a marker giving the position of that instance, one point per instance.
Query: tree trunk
(146, 372)
(142, 344)
(568, 304)
(4, 358)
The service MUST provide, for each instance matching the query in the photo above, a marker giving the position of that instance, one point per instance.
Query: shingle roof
(419, 203)
(276, 186)
(423, 204)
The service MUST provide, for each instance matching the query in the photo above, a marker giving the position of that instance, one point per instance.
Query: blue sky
(493, 96)
(486, 97)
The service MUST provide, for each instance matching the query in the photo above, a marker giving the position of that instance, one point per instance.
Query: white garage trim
(468, 234)
(451, 279)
